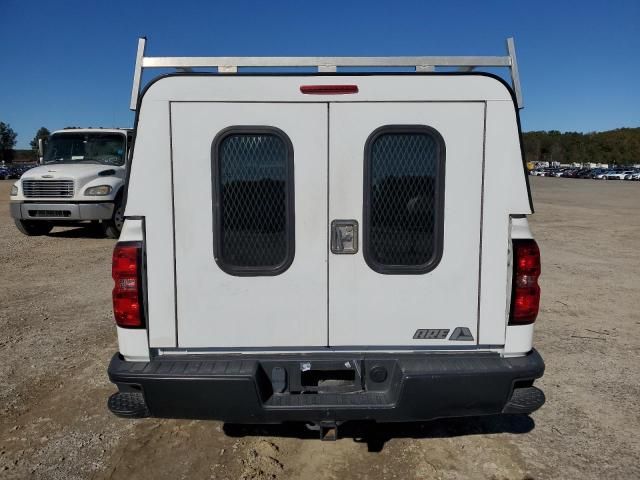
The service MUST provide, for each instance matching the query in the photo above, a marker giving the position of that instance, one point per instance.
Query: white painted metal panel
(133, 344)
(150, 196)
(436, 88)
(505, 194)
(372, 309)
(150, 192)
(519, 340)
(214, 308)
(132, 231)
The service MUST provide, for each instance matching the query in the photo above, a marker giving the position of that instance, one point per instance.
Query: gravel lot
(57, 335)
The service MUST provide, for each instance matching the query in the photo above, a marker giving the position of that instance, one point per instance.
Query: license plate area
(318, 378)
(330, 377)
(324, 376)
(288, 380)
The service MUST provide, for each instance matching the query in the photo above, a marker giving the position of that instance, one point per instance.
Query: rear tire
(113, 226)
(33, 228)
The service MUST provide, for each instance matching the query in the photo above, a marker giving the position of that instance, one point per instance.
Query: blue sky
(71, 62)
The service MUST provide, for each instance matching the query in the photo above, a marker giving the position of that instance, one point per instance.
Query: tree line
(8, 139)
(618, 147)
(615, 147)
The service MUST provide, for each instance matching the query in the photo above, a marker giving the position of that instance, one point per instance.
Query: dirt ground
(57, 335)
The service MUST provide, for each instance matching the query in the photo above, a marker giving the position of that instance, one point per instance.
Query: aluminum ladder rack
(230, 65)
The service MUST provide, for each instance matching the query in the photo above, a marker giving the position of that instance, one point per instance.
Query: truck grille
(48, 188)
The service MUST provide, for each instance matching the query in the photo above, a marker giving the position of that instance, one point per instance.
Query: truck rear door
(327, 224)
(250, 201)
(410, 175)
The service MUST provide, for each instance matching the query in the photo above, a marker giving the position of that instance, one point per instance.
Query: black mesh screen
(404, 171)
(253, 175)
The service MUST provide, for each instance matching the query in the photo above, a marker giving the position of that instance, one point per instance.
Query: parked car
(579, 172)
(619, 174)
(231, 304)
(596, 172)
(17, 170)
(602, 175)
(586, 173)
(570, 173)
(14, 171)
(630, 175)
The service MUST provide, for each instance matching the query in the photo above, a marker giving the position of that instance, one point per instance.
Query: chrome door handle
(344, 236)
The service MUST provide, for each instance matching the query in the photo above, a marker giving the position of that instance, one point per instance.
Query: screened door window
(253, 189)
(403, 199)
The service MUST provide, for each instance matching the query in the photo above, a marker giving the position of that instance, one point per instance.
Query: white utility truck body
(81, 179)
(326, 247)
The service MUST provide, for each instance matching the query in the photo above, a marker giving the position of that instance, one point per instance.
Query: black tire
(113, 226)
(33, 228)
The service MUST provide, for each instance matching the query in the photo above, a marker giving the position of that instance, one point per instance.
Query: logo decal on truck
(431, 333)
(459, 334)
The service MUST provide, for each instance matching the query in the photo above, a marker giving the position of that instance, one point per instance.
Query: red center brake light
(328, 89)
(127, 291)
(525, 295)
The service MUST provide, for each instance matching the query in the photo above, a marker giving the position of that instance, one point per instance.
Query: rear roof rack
(230, 65)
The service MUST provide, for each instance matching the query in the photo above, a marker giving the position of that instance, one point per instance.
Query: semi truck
(80, 180)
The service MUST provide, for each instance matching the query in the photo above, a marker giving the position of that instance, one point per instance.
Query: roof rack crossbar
(230, 65)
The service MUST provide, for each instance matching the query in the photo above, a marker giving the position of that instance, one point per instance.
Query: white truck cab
(328, 246)
(81, 179)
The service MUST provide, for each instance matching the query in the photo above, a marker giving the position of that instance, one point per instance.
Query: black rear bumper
(328, 388)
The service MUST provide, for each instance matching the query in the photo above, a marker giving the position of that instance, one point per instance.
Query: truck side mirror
(40, 150)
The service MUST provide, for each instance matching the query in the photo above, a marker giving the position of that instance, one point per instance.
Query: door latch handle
(344, 236)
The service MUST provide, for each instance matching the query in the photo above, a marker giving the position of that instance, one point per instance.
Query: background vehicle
(586, 173)
(17, 170)
(576, 172)
(546, 172)
(619, 174)
(81, 179)
(248, 293)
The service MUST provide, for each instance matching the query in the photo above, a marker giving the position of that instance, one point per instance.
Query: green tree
(43, 133)
(7, 141)
(620, 146)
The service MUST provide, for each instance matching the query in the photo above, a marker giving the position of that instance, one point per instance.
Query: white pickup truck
(81, 179)
(326, 246)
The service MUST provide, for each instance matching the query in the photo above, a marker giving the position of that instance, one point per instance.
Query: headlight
(14, 190)
(98, 190)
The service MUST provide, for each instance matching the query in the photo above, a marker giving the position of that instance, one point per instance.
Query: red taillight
(127, 291)
(525, 295)
(328, 89)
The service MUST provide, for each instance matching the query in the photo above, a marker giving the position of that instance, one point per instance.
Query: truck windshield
(105, 148)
